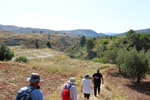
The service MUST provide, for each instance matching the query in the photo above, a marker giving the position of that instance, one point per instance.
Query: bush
(110, 56)
(89, 45)
(49, 44)
(5, 53)
(21, 59)
(136, 64)
(100, 60)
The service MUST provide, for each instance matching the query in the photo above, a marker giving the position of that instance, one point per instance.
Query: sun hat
(72, 80)
(34, 77)
(86, 76)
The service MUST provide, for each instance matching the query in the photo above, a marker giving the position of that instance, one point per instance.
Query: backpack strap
(68, 87)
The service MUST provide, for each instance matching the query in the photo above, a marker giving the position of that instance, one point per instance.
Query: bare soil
(127, 87)
(13, 77)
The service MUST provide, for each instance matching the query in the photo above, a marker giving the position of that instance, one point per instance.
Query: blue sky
(99, 15)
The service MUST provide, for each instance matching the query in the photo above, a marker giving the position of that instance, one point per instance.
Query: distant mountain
(17, 29)
(110, 33)
(81, 32)
(139, 31)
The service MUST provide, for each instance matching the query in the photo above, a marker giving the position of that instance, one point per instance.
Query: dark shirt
(97, 78)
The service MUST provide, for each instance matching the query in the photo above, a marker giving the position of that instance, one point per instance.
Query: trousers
(96, 87)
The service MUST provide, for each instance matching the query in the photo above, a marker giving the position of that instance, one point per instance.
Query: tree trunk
(138, 79)
(119, 69)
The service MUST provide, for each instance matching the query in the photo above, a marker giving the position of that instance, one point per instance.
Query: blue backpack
(24, 95)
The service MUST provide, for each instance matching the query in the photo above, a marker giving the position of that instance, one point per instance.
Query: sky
(99, 15)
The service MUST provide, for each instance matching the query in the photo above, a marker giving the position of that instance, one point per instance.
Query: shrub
(110, 56)
(89, 45)
(49, 44)
(136, 64)
(5, 53)
(21, 59)
(100, 60)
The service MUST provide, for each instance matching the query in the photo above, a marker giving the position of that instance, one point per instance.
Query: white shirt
(73, 91)
(87, 86)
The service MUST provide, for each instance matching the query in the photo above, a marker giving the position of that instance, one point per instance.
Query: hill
(138, 31)
(59, 41)
(81, 32)
(17, 29)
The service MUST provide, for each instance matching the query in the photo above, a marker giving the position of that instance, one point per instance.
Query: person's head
(72, 81)
(98, 70)
(34, 79)
(86, 76)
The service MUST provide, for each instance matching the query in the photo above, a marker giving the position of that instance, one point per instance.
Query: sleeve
(41, 95)
(37, 95)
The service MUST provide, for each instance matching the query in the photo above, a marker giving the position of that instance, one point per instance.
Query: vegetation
(129, 52)
(22, 59)
(135, 64)
(49, 44)
(5, 53)
(89, 45)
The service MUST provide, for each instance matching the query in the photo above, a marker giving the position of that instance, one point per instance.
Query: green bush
(21, 59)
(5, 53)
(100, 60)
(110, 56)
(136, 64)
(89, 45)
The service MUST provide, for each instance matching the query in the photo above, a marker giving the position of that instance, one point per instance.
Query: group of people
(68, 91)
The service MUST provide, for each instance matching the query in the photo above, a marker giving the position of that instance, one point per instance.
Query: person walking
(31, 92)
(68, 90)
(97, 79)
(86, 87)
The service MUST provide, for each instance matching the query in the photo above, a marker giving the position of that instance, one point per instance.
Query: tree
(49, 35)
(33, 31)
(110, 56)
(120, 58)
(82, 41)
(136, 64)
(37, 43)
(5, 53)
(48, 43)
(89, 45)
(41, 32)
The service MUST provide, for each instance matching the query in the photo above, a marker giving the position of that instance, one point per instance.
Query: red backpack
(66, 93)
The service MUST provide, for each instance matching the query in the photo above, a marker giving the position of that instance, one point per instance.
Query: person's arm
(102, 80)
(63, 87)
(81, 88)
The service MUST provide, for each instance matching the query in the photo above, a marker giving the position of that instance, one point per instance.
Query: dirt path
(103, 96)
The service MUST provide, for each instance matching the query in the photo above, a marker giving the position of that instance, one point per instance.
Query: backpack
(66, 93)
(24, 95)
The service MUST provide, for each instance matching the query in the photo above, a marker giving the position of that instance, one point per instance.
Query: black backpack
(24, 95)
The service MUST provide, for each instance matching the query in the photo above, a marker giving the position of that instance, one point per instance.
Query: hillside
(81, 32)
(17, 29)
(138, 31)
(60, 41)
(54, 70)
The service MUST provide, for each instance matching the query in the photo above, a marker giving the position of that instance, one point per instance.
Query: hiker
(33, 90)
(69, 91)
(97, 78)
(86, 87)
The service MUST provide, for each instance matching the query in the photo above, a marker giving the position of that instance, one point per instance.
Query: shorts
(87, 95)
